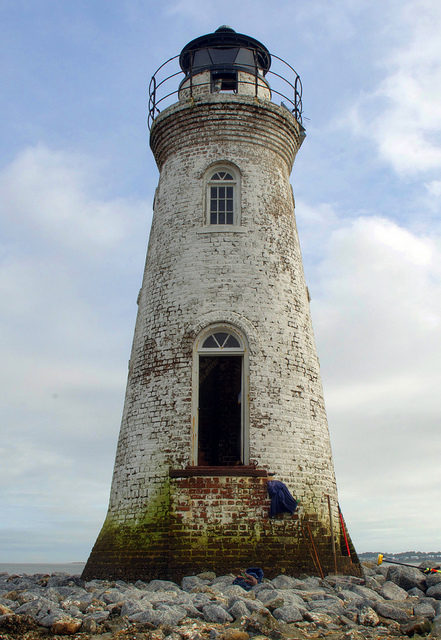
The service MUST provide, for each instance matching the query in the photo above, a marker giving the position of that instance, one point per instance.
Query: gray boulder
(407, 577)
(37, 607)
(416, 627)
(191, 610)
(166, 597)
(368, 617)
(162, 585)
(271, 598)
(424, 610)
(130, 608)
(291, 597)
(98, 616)
(331, 606)
(369, 595)
(436, 627)
(343, 582)
(264, 586)
(215, 613)
(64, 580)
(113, 595)
(308, 595)
(224, 580)
(432, 579)
(238, 610)
(391, 611)
(434, 592)
(287, 582)
(311, 582)
(350, 597)
(48, 619)
(288, 613)
(207, 575)
(321, 619)
(391, 591)
(190, 582)
(163, 615)
(374, 583)
(199, 600)
(255, 606)
(89, 626)
(140, 584)
(232, 591)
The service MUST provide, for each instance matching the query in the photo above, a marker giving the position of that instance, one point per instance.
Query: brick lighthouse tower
(224, 390)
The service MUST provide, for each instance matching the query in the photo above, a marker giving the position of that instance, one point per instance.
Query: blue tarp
(281, 499)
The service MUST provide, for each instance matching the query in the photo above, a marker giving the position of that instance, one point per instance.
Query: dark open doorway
(220, 410)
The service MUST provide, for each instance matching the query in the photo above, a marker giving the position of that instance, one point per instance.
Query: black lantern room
(224, 53)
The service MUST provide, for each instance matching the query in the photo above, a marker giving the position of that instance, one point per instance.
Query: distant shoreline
(76, 567)
(410, 557)
(31, 568)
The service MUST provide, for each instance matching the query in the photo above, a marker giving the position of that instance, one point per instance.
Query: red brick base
(219, 523)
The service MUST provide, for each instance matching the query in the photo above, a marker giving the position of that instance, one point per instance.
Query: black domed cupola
(224, 53)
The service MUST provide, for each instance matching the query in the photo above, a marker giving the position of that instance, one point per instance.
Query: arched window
(222, 196)
(221, 340)
(220, 398)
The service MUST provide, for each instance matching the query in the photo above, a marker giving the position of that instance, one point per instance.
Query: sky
(77, 180)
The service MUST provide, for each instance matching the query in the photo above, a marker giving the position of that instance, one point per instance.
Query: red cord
(344, 531)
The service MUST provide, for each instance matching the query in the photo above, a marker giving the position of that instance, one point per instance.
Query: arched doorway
(220, 394)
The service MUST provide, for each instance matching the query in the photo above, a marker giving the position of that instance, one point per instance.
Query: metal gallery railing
(169, 79)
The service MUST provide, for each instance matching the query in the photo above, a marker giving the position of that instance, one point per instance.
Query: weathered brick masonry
(165, 517)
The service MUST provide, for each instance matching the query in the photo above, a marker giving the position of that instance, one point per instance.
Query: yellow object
(380, 558)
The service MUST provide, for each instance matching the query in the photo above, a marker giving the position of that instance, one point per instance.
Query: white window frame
(243, 351)
(234, 183)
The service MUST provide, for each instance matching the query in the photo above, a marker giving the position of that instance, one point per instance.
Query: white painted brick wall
(252, 279)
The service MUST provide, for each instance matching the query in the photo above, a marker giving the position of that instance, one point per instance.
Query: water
(20, 568)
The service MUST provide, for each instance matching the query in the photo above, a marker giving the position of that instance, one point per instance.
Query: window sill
(240, 470)
(222, 228)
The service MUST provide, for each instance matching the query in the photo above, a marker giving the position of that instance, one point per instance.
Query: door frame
(243, 351)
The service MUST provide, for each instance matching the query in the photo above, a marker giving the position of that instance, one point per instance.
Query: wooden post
(332, 534)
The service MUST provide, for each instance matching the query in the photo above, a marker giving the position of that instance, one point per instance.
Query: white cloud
(56, 196)
(67, 273)
(402, 115)
(376, 305)
(434, 189)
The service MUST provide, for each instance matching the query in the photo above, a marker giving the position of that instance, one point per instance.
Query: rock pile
(388, 602)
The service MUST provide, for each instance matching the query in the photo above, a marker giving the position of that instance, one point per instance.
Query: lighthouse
(224, 393)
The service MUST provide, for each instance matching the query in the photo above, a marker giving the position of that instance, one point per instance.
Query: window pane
(209, 343)
(221, 337)
(221, 340)
(231, 342)
(221, 196)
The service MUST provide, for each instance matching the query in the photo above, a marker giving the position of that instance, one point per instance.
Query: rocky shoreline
(389, 602)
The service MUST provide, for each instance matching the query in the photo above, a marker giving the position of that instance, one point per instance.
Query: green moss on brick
(136, 548)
